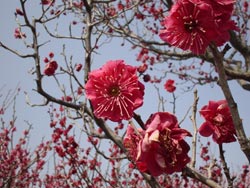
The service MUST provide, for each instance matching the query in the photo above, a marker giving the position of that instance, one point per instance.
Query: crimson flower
(169, 86)
(18, 34)
(142, 68)
(131, 143)
(218, 122)
(190, 25)
(50, 68)
(221, 7)
(115, 91)
(47, 2)
(163, 148)
(19, 12)
(78, 67)
(222, 14)
(193, 25)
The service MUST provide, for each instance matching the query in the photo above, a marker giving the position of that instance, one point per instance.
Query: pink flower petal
(115, 91)
(206, 129)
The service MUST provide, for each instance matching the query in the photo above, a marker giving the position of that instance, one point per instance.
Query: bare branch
(225, 167)
(16, 52)
(193, 118)
(243, 140)
(196, 175)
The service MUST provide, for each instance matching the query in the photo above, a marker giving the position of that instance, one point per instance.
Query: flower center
(218, 119)
(114, 91)
(165, 140)
(190, 24)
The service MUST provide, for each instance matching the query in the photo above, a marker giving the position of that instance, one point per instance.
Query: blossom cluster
(160, 148)
(115, 92)
(169, 86)
(51, 65)
(19, 167)
(18, 34)
(194, 24)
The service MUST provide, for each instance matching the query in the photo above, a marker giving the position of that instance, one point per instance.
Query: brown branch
(194, 141)
(61, 36)
(185, 116)
(190, 172)
(225, 167)
(15, 52)
(41, 91)
(39, 76)
(100, 123)
(27, 21)
(242, 47)
(151, 180)
(243, 141)
(87, 40)
(109, 133)
(236, 74)
(244, 84)
(238, 44)
(151, 45)
(139, 120)
(169, 3)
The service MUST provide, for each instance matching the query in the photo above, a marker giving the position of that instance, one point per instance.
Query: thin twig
(185, 116)
(193, 118)
(225, 167)
(161, 100)
(139, 120)
(15, 52)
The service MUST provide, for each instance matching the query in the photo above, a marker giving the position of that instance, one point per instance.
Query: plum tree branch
(243, 140)
(225, 167)
(196, 175)
(242, 47)
(15, 52)
(88, 47)
(193, 118)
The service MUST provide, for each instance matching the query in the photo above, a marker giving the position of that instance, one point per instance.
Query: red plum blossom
(160, 148)
(194, 24)
(218, 122)
(115, 91)
(169, 85)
